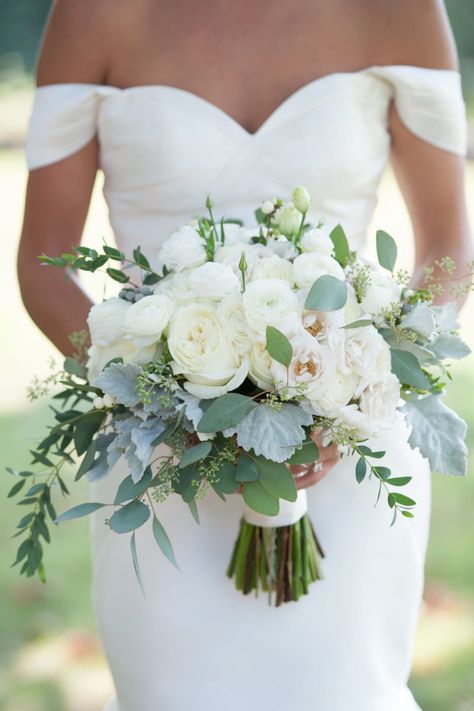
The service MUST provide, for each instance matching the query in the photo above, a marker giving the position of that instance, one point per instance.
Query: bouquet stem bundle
(281, 561)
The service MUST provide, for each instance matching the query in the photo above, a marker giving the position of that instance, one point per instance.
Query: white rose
(309, 364)
(380, 398)
(201, 351)
(146, 320)
(328, 395)
(184, 249)
(232, 315)
(317, 240)
(213, 281)
(382, 292)
(99, 356)
(260, 366)
(312, 265)
(273, 267)
(105, 321)
(270, 302)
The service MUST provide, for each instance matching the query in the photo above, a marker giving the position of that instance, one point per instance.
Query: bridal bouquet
(212, 368)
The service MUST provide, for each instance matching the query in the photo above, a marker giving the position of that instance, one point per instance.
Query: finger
(315, 473)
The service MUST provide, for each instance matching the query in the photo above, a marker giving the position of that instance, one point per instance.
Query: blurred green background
(50, 659)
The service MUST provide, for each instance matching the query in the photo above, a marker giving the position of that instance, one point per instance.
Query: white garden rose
(176, 287)
(273, 267)
(317, 240)
(105, 321)
(312, 265)
(380, 398)
(213, 281)
(309, 365)
(99, 356)
(332, 392)
(232, 315)
(270, 302)
(202, 352)
(260, 366)
(184, 249)
(146, 319)
(381, 293)
(366, 353)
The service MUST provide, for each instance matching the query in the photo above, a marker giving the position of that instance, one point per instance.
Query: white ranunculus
(260, 366)
(336, 390)
(270, 302)
(234, 234)
(282, 247)
(146, 320)
(105, 321)
(202, 352)
(301, 198)
(312, 265)
(183, 250)
(288, 219)
(99, 356)
(381, 293)
(317, 240)
(380, 398)
(366, 353)
(273, 267)
(231, 255)
(213, 281)
(176, 287)
(232, 315)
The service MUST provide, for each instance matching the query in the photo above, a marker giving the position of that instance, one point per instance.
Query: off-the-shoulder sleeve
(63, 120)
(430, 103)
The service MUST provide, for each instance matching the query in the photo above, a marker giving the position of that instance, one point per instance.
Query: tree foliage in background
(22, 22)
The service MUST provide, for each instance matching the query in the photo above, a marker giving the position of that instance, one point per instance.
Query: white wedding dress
(195, 643)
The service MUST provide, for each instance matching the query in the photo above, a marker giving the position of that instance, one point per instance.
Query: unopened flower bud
(301, 198)
(99, 403)
(288, 219)
(267, 207)
(108, 400)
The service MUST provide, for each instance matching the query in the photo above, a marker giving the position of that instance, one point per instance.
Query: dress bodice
(162, 149)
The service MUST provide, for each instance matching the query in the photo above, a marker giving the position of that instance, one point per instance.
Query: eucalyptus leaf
(79, 511)
(327, 294)
(407, 369)
(136, 564)
(195, 454)
(86, 428)
(276, 479)
(386, 250)
(224, 412)
(309, 452)
(341, 245)
(161, 537)
(278, 346)
(439, 433)
(258, 499)
(360, 470)
(128, 490)
(247, 469)
(129, 517)
(225, 479)
(360, 323)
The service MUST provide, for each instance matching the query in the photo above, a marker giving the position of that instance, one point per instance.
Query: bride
(241, 100)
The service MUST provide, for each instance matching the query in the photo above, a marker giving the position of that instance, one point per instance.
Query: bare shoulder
(79, 40)
(414, 33)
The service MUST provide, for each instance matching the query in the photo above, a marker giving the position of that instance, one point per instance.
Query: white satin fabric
(194, 643)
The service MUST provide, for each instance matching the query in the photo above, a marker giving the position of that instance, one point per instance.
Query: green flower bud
(301, 198)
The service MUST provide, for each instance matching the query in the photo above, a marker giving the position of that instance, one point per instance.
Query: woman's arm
(431, 180)
(58, 195)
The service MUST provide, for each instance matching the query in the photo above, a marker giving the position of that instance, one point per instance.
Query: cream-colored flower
(310, 266)
(213, 281)
(105, 321)
(146, 320)
(184, 249)
(273, 267)
(260, 366)
(270, 302)
(381, 293)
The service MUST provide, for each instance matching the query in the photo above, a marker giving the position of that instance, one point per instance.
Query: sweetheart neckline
(317, 81)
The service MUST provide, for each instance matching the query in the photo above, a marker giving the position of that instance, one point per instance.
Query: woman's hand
(309, 474)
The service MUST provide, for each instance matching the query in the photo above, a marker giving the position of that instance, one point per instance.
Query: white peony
(381, 293)
(232, 315)
(260, 366)
(317, 240)
(201, 351)
(273, 267)
(312, 265)
(105, 321)
(184, 249)
(213, 281)
(146, 319)
(270, 302)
